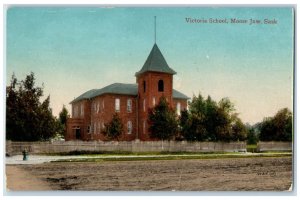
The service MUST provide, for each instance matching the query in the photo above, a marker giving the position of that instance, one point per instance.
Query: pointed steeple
(155, 63)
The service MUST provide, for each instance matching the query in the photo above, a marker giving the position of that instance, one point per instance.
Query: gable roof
(120, 88)
(115, 88)
(179, 95)
(155, 63)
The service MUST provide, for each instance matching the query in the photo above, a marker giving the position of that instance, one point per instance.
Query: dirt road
(238, 174)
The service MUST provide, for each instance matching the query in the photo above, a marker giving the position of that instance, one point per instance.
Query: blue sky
(74, 49)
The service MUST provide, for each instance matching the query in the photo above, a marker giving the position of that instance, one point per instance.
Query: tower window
(160, 85)
(144, 86)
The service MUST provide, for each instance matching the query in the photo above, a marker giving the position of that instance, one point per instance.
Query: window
(99, 128)
(102, 104)
(97, 107)
(75, 111)
(144, 86)
(144, 127)
(153, 101)
(129, 105)
(94, 107)
(82, 110)
(88, 129)
(129, 127)
(178, 108)
(117, 105)
(144, 105)
(160, 85)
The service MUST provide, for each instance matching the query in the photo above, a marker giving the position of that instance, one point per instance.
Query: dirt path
(238, 174)
(19, 179)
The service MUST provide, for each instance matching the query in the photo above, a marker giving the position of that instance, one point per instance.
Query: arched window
(129, 105)
(144, 85)
(160, 85)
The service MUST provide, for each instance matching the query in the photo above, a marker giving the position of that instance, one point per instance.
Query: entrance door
(77, 134)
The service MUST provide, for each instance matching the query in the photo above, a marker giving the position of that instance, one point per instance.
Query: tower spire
(154, 29)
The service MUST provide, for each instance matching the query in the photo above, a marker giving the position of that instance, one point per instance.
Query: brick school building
(94, 108)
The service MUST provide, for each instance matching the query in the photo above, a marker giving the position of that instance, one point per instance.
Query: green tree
(27, 119)
(239, 130)
(63, 115)
(62, 122)
(183, 127)
(211, 121)
(114, 129)
(251, 136)
(195, 128)
(162, 120)
(277, 128)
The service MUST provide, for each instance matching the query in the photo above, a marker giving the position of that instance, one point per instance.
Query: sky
(75, 49)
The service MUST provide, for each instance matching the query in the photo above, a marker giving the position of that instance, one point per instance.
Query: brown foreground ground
(239, 174)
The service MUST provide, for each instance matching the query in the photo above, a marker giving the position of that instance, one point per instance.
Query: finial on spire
(154, 29)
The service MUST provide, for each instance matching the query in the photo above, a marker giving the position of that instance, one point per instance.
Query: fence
(274, 146)
(13, 148)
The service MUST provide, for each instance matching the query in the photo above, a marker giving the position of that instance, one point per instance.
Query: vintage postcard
(171, 99)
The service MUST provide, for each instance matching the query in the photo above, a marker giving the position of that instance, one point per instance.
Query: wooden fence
(13, 148)
(274, 146)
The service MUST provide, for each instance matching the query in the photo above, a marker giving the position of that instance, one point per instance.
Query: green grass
(120, 153)
(251, 146)
(175, 157)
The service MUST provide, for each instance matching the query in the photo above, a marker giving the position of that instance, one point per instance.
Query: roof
(115, 88)
(156, 63)
(179, 95)
(120, 88)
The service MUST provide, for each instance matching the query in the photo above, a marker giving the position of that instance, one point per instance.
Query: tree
(251, 136)
(114, 128)
(196, 129)
(162, 120)
(183, 127)
(62, 122)
(27, 118)
(63, 116)
(211, 121)
(277, 128)
(239, 130)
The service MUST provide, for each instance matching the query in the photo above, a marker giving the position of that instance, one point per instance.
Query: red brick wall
(85, 116)
(151, 79)
(71, 124)
(105, 115)
(94, 113)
